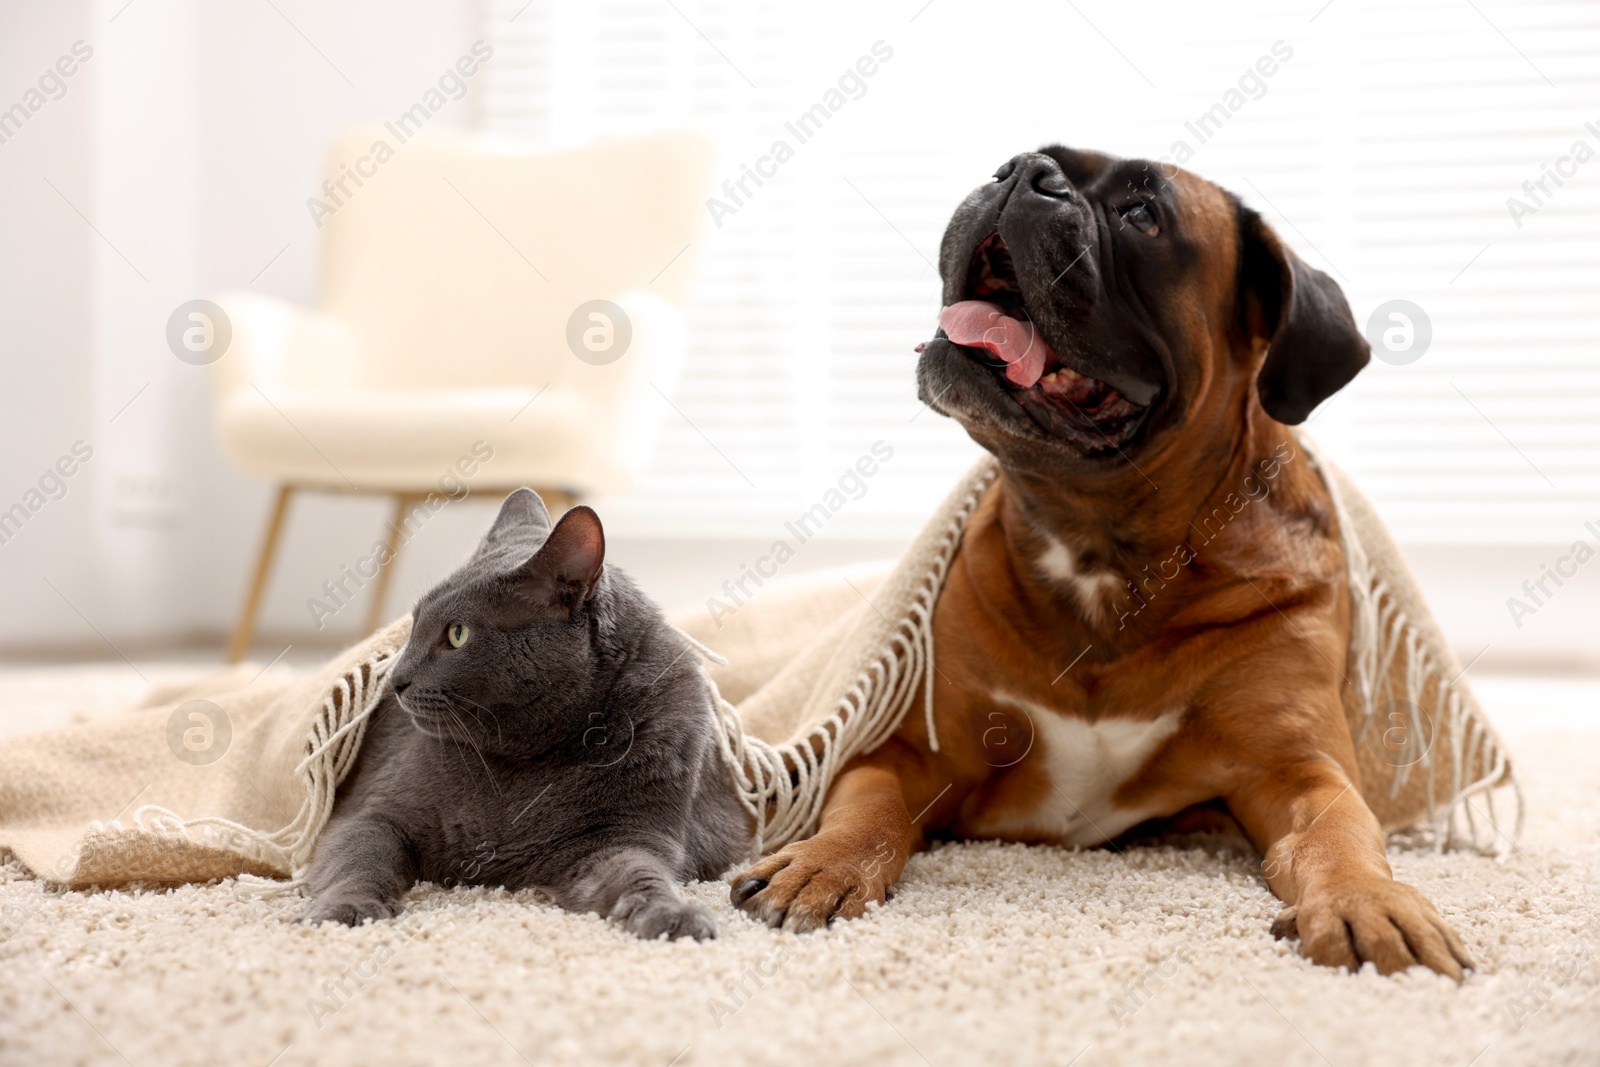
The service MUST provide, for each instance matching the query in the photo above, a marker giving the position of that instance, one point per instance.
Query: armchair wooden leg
(403, 503)
(244, 629)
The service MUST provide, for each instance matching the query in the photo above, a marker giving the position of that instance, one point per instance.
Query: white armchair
(453, 275)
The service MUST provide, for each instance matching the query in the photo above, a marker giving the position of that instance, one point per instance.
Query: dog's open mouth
(995, 323)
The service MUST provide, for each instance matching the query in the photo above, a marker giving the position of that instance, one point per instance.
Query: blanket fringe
(1380, 630)
(783, 787)
(331, 749)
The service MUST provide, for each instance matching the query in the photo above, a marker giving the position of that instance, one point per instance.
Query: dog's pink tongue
(980, 324)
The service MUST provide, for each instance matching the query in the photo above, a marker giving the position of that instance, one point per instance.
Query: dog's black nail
(747, 889)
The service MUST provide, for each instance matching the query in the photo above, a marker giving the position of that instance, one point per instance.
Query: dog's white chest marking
(1086, 763)
(1092, 589)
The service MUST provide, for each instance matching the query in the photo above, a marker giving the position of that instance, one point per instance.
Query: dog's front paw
(651, 916)
(346, 910)
(1388, 923)
(807, 885)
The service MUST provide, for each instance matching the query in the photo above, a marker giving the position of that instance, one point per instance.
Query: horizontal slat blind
(1494, 434)
(1382, 144)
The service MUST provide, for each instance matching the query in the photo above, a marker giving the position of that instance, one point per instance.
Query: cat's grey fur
(566, 746)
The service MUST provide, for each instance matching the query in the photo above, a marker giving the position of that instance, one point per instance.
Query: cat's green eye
(457, 634)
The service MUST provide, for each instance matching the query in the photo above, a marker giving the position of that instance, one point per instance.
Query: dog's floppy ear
(1313, 345)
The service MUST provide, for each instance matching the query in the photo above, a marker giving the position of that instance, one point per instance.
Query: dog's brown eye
(1141, 218)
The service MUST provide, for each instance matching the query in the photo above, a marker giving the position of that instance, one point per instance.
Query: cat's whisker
(499, 737)
(455, 743)
(467, 732)
(450, 698)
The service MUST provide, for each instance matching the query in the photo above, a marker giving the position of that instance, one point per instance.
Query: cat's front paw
(650, 917)
(350, 912)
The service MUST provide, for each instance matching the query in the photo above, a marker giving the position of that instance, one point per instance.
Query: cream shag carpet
(988, 954)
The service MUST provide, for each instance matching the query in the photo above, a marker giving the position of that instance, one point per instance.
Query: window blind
(1382, 140)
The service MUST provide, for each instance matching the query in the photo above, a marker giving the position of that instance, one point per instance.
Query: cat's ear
(568, 566)
(523, 517)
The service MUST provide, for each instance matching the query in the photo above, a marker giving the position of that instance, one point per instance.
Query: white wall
(45, 268)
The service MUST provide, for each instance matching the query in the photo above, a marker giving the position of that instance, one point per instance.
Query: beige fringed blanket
(242, 781)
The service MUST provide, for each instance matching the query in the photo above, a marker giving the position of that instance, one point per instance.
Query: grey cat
(546, 729)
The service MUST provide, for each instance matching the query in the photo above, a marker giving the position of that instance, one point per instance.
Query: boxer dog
(1148, 612)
